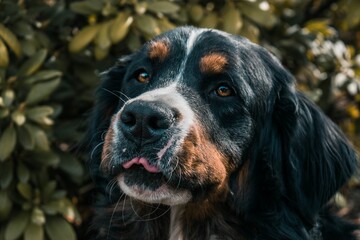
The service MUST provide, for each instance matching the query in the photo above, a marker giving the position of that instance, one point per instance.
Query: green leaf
(6, 174)
(253, 11)
(196, 12)
(59, 229)
(120, 27)
(5, 205)
(42, 76)
(39, 136)
(16, 226)
(101, 53)
(26, 139)
(38, 216)
(133, 41)
(42, 90)
(23, 172)
(209, 21)
(8, 96)
(4, 55)
(232, 21)
(165, 25)
(162, 7)
(32, 64)
(10, 40)
(102, 39)
(53, 207)
(48, 190)
(7, 142)
(83, 38)
(18, 117)
(47, 158)
(34, 232)
(86, 7)
(40, 114)
(147, 24)
(4, 113)
(25, 190)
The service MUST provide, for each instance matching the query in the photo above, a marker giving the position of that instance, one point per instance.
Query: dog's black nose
(145, 122)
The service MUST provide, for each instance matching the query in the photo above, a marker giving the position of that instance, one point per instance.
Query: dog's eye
(142, 76)
(224, 91)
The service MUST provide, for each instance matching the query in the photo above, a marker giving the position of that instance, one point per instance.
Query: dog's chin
(151, 188)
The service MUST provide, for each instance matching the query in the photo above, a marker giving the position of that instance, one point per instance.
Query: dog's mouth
(153, 181)
(140, 174)
(147, 183)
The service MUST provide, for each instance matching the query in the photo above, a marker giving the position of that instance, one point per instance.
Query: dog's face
(185, 115)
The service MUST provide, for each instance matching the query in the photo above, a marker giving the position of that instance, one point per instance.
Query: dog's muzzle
(145, 122)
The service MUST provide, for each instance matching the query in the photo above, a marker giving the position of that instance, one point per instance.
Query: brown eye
(224, 91)
(142, 76)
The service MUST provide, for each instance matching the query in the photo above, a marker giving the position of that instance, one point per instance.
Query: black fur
(295, 157)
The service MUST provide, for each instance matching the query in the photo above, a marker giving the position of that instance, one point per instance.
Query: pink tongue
(141, 161)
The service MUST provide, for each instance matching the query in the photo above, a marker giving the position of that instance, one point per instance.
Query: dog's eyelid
(142, 75)
(224, 90)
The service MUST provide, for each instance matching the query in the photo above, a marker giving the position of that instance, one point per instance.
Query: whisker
(124, 95)
(94, 149)
(111, 219)
(114, 94)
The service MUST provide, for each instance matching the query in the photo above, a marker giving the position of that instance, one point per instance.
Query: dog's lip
(141, 161)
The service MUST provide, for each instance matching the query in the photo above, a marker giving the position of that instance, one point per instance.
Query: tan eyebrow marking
(159, 50)
(213, 63)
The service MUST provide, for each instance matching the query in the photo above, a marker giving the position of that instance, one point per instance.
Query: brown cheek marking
(106, 152)
(203, 162)
(159, 50)
(213, 63)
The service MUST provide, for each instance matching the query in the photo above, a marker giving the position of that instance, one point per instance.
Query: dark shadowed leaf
(42, 90)
(59, 229)
(16, 226)
(32, 64)
(7, 142)
(25, 137)
(6, 174)
(162, 7)
(86, 7)
(5, 205)
(34, 232)
(25, 190)
(23, 172)
(10, 39)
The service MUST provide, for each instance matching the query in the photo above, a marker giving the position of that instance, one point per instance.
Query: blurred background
(51, 52)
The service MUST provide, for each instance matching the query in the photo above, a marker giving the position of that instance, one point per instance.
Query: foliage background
(51, 52)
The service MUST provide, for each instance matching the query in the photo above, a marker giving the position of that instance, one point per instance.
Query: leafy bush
(51, 52)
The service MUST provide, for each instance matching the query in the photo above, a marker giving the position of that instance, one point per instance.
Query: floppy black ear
(108, 97)
(298, 159)
(319, 158)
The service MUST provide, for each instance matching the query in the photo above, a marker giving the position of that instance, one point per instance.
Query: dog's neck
(176, 224)
(201, 220)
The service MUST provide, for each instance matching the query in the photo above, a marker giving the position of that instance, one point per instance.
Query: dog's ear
(298, 158)
(108, 98)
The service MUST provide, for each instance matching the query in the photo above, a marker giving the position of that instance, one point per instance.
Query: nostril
(128, 118)
(159, 122)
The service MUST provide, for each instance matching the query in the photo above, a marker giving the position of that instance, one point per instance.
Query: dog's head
(198, 114)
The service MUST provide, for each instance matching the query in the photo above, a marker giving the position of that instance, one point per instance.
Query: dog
(202, 135)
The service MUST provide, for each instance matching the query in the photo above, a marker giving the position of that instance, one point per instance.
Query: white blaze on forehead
(189, 47)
